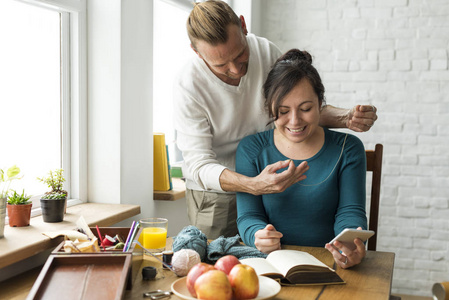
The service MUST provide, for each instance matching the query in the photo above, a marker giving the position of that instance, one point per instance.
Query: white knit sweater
(211, 117)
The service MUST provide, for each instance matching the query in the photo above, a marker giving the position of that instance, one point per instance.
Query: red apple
(213, 285)
(195, 272)
(244, 282)
(226, 263)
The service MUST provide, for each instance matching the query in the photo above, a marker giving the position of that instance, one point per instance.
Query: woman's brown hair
(287, 72)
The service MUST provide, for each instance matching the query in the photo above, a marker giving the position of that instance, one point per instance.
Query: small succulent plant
(18, 199)
(54, 181)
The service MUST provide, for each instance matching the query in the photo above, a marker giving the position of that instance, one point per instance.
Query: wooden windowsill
(178, 191)
(20, 243)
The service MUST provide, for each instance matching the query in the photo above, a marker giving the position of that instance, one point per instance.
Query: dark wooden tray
(82, 276)
(134, 251)
(111, 231)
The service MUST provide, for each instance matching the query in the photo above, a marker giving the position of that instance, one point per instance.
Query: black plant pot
(53, 210)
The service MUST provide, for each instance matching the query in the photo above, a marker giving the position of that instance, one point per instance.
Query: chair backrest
(374, 164)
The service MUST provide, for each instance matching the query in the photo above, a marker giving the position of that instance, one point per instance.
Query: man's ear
(244, 29)
(193, 48)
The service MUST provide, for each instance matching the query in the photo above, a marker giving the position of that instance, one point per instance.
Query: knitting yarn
(191, 237)
(230, 246)
(183, 260)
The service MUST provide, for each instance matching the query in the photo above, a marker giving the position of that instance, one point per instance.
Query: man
(218, 101)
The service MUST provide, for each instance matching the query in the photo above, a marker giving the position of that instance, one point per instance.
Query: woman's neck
(302, 150)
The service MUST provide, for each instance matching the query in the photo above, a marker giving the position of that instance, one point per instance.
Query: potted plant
(53, 203)
(19, 209)
(5, 180)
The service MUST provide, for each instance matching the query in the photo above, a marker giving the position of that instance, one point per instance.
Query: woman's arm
(251, 216)
(351, 212)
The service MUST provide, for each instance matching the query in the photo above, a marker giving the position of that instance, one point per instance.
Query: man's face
(228, 61)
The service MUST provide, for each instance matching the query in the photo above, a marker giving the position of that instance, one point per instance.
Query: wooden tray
(111, 231)
(136, 253)
(82, 277)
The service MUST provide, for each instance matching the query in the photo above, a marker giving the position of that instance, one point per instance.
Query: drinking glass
(154, 234)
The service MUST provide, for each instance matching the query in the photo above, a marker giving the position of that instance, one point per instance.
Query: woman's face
(299, 113)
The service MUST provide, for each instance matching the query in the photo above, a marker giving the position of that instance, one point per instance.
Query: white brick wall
(393, 54)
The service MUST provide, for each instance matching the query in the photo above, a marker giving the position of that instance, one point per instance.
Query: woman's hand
(268, 239)
(346, 257)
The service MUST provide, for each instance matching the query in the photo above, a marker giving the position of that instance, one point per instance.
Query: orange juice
(154, 237)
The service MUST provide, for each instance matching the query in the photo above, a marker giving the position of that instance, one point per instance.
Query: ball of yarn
(183, 260)
(191, 237)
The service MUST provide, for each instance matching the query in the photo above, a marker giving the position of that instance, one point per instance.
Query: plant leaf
(13, 171)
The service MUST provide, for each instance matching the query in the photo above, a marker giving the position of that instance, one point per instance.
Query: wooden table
(369, 280)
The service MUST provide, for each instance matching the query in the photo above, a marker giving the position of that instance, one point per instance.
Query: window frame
(73, 95)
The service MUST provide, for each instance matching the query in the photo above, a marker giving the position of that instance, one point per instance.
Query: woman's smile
(296, 130)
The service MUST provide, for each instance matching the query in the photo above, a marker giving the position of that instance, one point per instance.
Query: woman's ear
(244, 29)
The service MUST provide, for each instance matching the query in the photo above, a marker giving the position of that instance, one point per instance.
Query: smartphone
(347, 237)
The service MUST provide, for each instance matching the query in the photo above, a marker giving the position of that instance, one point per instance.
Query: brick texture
(393, 54)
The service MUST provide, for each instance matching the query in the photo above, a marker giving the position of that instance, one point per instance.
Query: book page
(284, 260)
(260, 265)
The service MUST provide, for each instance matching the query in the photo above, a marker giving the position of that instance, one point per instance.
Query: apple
(244, 282)
(195, 272)
(213, 285)
(226, 263)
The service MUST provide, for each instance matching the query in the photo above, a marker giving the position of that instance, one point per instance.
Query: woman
(331, 197)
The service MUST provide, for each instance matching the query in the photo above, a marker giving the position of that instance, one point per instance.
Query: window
(171, 51)
(37, 92)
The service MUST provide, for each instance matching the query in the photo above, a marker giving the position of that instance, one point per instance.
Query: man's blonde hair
(208, 21)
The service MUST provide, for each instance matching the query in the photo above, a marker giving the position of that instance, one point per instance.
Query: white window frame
(73, 94)
(183, 4)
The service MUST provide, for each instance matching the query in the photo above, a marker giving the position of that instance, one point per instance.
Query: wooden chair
(374, 164)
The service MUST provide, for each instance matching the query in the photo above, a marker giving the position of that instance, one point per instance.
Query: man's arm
(267, 182)
(360, 118)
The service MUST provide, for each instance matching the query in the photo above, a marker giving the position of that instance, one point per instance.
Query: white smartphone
(347, 237)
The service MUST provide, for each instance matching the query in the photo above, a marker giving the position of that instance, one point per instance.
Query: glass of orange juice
(154, 234)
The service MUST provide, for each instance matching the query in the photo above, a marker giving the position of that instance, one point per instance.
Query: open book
(293, 267)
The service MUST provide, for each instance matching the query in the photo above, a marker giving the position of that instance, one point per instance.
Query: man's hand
(361, 118)
(268, 239)
(270, 182)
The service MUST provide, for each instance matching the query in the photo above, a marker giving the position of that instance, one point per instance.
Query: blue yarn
(231, 246)
(191, 237)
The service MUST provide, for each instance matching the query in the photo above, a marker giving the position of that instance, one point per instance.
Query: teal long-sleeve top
(313, 211)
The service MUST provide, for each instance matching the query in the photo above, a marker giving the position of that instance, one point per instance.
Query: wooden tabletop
(370, 280)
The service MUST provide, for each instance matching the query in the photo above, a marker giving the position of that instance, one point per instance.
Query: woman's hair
(208, 21)
(287, 72)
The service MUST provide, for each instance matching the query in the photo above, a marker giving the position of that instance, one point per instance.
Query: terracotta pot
(53, 210)
(19, 215)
